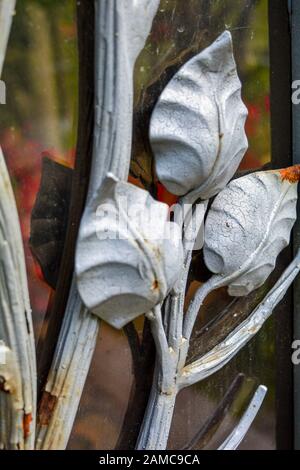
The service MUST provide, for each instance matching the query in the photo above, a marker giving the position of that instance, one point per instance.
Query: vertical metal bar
(57, 306)
(294, 6)
(281, 133)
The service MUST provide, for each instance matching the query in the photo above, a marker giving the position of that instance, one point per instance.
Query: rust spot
(46, 408)
(27, 419)
(155, 285)
(2, 385)
(156, 250)
(291, 174)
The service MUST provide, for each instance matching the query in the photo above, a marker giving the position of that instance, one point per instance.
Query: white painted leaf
(197, 128)
(128, 255)
(248, 225)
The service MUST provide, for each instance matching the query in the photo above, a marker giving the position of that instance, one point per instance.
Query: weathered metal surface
(158, 418)
(18, 367)
(197, 128)
(17, 372)
(248, 225)
(197, 134)
(61, 396)
(228, 348)
(235, 438)
(121, 30)
(126, 269)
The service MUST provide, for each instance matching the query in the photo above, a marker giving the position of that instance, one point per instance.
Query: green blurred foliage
(41, 73)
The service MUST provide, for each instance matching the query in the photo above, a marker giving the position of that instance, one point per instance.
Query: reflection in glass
(40, 118)
(112, 419)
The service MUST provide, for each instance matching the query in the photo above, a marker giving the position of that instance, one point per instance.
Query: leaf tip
(226, 35)
(291, 174)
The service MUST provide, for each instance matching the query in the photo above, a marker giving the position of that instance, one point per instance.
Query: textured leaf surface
(197, 127)
(128, 256)
(248, 225)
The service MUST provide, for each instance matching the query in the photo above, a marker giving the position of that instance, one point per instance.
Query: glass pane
(40, 116)
(39, 120)
(112, 404)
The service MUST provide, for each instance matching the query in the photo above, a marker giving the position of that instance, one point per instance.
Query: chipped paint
(64, 386)
(27, 420)
(46, 408)
(18, 369)
(3, 385)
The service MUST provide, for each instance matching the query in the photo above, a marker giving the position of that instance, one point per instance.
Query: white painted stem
(160, 339)
(236, 437)
(18, 370)
(7, 8)
(155, 430)
(68, 374)
(191, 315)
(158, 419)
(121, 31)
(221, 354)
(16, 329)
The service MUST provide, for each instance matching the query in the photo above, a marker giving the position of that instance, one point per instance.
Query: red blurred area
(24, 157)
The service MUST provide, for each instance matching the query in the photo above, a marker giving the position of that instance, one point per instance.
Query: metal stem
(115, 55)
(18, 369)
(158, 418)
(236, 437)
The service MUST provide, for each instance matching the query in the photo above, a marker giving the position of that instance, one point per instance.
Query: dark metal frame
(282, 156)
(294, 8)
(284, 24)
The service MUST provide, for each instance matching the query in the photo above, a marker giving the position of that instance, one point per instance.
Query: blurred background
(40, 119)
(40, 116)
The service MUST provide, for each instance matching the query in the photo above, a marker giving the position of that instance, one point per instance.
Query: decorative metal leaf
(49, 218)
(127, 269)
(197, 127)
(248, 225)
